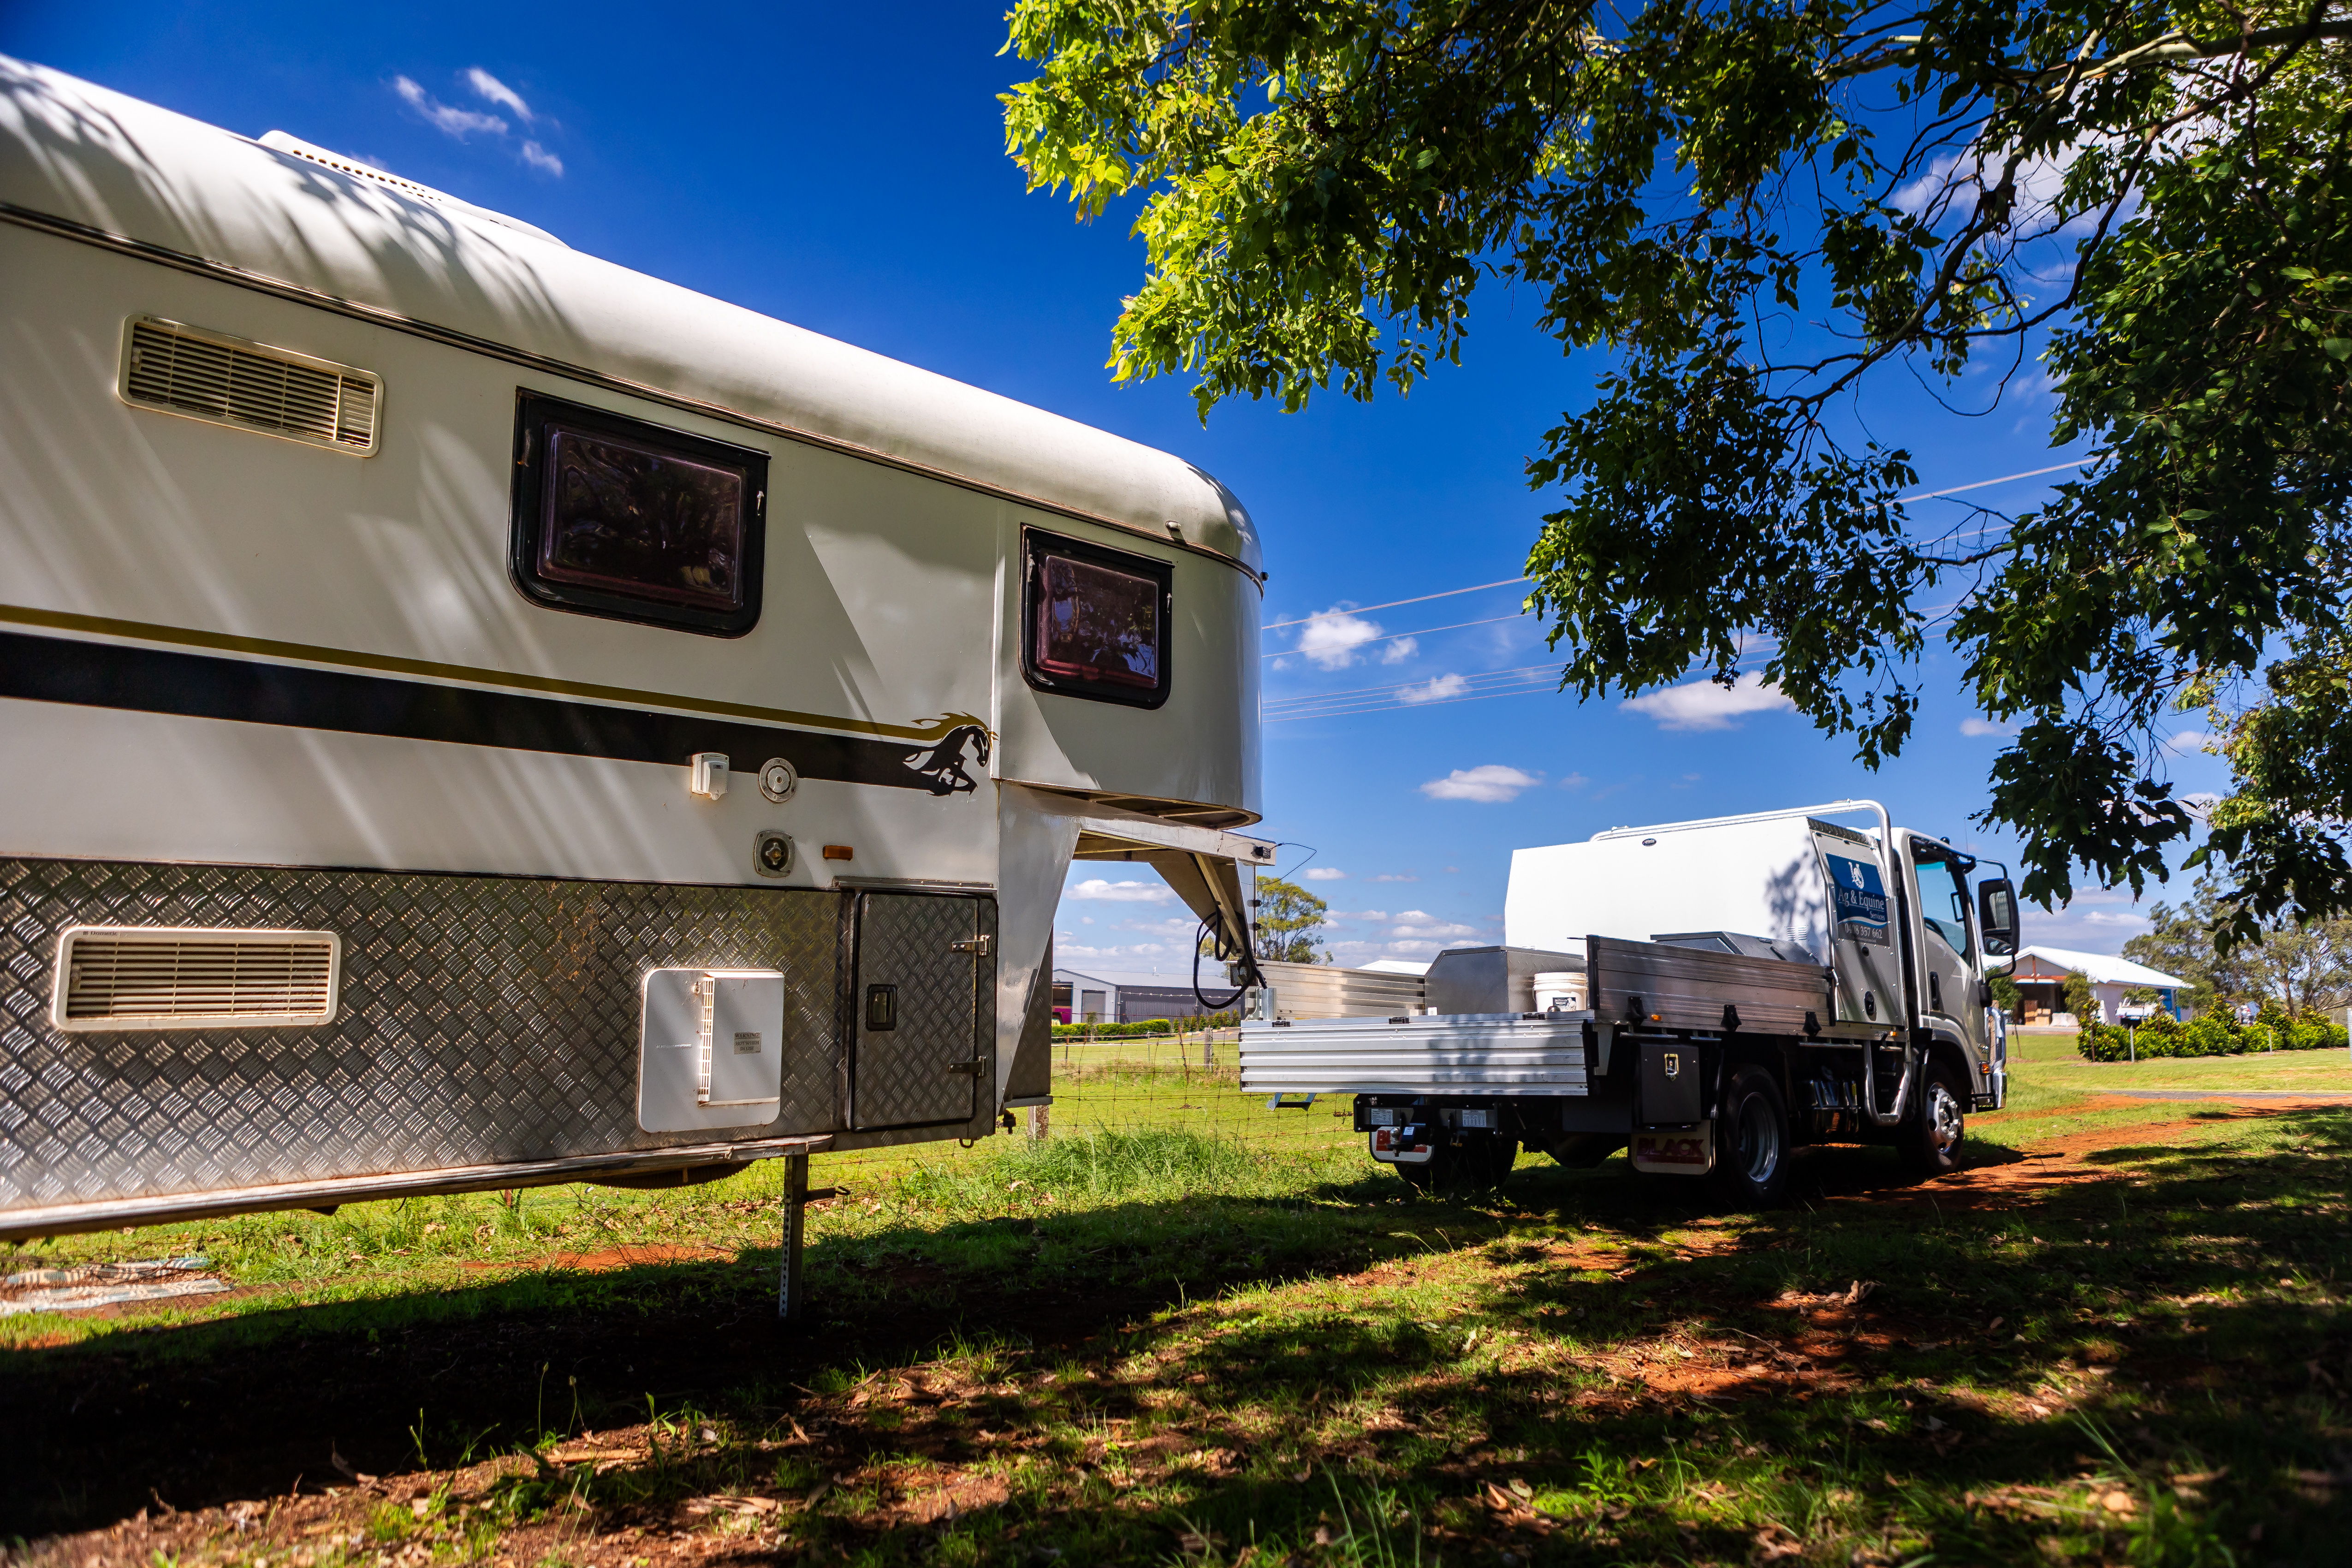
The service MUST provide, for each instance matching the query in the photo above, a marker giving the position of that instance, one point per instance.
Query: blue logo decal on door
(1859, 899)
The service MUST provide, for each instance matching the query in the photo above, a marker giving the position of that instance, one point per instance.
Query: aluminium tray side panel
(1689, 988)
(485, 1020)
(1425, 1056)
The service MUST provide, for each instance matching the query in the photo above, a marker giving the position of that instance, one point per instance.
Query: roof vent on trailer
(150, 977)
(179, 368)
(294, 146)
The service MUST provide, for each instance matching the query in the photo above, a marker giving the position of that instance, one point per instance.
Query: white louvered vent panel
(130, 978)
(232, 382)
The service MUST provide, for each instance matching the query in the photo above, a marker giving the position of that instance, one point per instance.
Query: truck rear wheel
(1929, 1138)
(1751, 1158)
(1477, 1163)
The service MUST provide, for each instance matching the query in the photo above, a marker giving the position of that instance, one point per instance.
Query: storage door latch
(975, 945)
(968, 1070)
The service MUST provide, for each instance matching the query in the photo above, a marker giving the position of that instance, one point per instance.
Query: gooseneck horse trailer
(474, 716)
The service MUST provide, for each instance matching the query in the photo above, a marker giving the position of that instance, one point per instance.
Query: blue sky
(843, 169)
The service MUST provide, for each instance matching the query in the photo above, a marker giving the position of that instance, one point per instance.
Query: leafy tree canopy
(1290, 920)
(1765, 212)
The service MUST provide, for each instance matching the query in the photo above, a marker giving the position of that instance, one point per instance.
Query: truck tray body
(1656, 985)
(1477, 1054)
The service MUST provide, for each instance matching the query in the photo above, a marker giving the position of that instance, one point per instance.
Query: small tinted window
(618, 517)
(1096, 622)
(1944, 902)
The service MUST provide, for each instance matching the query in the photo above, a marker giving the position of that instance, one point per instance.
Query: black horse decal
(942, 767)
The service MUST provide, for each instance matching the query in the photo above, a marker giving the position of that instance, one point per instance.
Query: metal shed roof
(2099, 968)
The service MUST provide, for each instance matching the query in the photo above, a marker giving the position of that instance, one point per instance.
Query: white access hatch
(711, 1050)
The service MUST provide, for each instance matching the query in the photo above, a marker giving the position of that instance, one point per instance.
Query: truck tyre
(1929, 1137)
(1752, 1143)
(1477, 1163)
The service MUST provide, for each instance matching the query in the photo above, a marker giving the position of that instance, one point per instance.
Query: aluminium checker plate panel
(926, 1070)
(483, 1020)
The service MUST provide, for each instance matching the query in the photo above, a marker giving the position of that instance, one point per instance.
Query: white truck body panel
(1760, 878)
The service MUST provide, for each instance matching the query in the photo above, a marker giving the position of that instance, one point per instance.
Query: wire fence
(1186, 1080)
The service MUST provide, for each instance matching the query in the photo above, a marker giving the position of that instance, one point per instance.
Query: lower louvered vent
(212, 376)
(128, 977)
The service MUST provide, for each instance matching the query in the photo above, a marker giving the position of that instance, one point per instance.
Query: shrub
(2102, 1043)
(2212, 1036)
(2312, 1032)
(1144, 1028)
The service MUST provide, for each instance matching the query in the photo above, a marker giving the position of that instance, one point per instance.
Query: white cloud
(1399, 649)
(1973, 725)
(539, 158)
(446, 118)
(1122, 892)
(1434, 690)
(2191, 741)
(1326, 874)
(491, 89)
(1414, 917)
(1332, 637)
(2115, 918)
(1952, 185)
(1396, 876)
(1491, 784)
(1703, 705)
(1437, 928)
(1360, 915)
(1574, 781)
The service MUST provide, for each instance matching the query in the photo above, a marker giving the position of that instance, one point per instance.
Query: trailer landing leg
(792, 1303)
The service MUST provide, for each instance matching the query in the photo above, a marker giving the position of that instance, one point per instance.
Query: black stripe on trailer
(204, 686)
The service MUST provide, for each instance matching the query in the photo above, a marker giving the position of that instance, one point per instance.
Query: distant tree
(2007, 996)
(2076, 989)
(2303, 968)
(1289, 921)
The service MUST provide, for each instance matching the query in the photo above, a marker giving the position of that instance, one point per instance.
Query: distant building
(2039, 974)
(1083, 997)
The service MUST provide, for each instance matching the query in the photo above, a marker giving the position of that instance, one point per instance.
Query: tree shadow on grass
(238, 1406)
(1663, 1382)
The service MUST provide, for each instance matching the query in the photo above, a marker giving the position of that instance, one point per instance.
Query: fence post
(1040, 1122)
(791, 1303)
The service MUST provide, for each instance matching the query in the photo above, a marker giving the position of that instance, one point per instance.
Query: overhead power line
(1514, 581)
(1985, 484)
(1534, 678)
(1392, 604)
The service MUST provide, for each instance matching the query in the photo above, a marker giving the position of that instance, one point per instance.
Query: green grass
(2057, 1068)
(1151, 1339)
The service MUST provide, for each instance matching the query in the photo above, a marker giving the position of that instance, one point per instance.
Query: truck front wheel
(1751, 1159)
(1929, 1139)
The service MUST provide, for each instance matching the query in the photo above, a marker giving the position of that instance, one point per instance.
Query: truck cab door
(1950, 979)
(1862, 914)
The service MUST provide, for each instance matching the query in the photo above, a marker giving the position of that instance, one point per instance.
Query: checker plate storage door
(918, 1055)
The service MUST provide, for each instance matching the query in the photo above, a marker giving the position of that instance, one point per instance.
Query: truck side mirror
(1997, 916)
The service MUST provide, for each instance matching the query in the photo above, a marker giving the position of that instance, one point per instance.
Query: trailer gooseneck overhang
(1709, 995)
